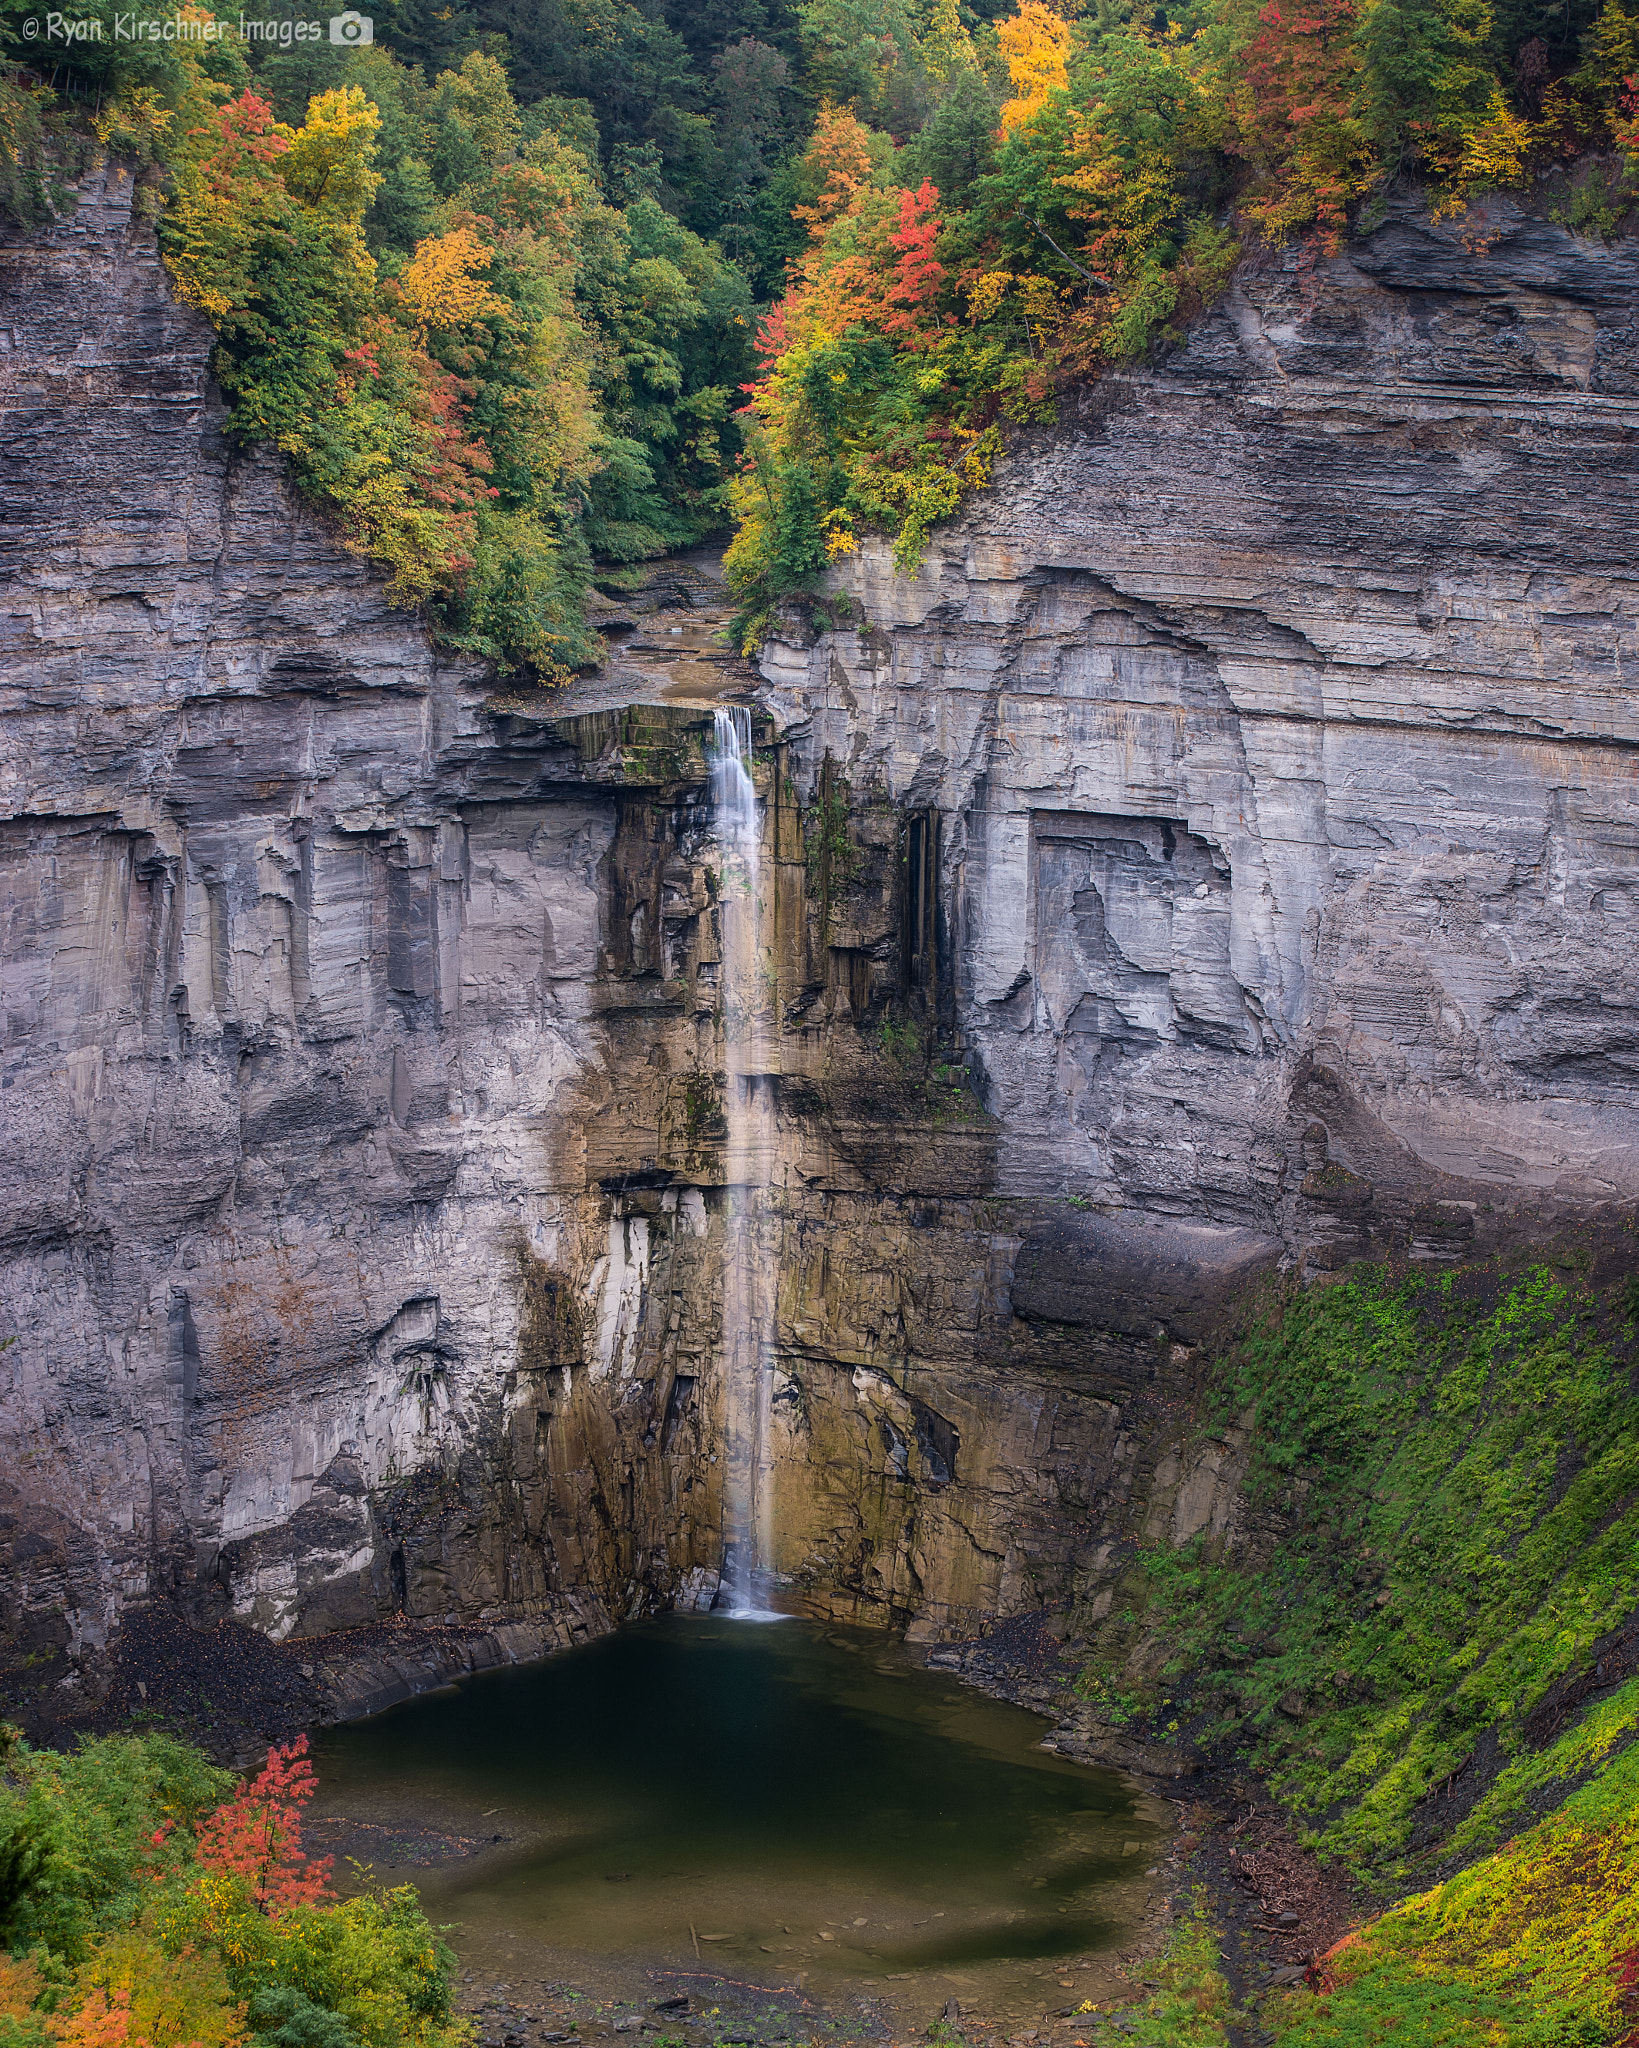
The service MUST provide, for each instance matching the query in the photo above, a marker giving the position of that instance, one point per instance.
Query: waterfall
(748, 1280)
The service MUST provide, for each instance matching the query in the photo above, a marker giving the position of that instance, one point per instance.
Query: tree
(1610, 58)
(917, 273)
(1036, 43)
(843, 159)
(1625, 128)
(1300, 124)
(131, 1994)
(958, 146)
(327, 162)
(863, 54)
(1425, 81)
(441, 285)
(947, 50)
(749, 91)
(257, 1834)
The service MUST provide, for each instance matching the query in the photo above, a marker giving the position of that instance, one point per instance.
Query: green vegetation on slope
(145, 1899)
(1537, 1946)
(498, 285)
(1426, 1635)
(1445, 1471)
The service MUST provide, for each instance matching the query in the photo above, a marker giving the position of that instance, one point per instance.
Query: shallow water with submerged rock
(795, 1809)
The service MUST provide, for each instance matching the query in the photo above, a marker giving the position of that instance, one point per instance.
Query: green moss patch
(1537, 1945)
(1443, 1526)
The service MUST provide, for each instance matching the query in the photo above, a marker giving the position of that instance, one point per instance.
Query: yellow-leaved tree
(327, 163)
(441, 285)
(1036, 43)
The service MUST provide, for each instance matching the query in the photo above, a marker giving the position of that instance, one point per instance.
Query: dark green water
(799, 1801)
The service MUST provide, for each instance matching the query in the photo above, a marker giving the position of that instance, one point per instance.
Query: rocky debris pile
(1294, 1907)
(233, 1690)
(727, 2015)
(1022, 1660)
(1277, 1909)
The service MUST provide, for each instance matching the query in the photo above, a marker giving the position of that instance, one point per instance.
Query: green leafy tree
(83, 1836)
(863, 54)
(1427, 81)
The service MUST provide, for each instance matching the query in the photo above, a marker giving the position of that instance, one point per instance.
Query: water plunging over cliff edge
(748, 1292)
(1242, 779)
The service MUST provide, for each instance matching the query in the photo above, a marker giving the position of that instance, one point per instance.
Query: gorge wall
(1281, 710)
(1223, 854)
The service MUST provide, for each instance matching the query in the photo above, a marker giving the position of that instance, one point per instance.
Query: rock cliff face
(302, 965)
(1280, 709)
(1225, 851)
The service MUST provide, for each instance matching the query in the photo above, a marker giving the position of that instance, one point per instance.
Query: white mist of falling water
(748, 1281)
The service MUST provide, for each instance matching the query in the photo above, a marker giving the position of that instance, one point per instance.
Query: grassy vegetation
(1423, 1637)
(1537, 1945)
(1188, 2000)
(1444, 1487)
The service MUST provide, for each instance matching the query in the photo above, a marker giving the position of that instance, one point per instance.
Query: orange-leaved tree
(257, 1834)
(838, 164)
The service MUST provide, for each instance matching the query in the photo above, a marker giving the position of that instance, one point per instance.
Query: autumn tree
(257, 1834)
(328, 163)
(843, 159)
(1300, 122)
(1609, 63)
(441, 284)
(131, 1994)
(1036, 43)
(913, 290)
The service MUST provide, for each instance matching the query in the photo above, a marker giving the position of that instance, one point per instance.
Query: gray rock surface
(299, 962)
(1243, 796)
(1281, 710)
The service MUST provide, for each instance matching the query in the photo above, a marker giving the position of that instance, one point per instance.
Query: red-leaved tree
(1300, 123)
(917, 272)
(1625, 126)
(257, 1834)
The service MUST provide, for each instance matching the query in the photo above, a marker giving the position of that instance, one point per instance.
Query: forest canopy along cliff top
(524, 290)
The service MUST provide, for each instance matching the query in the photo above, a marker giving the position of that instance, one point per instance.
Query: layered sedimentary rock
(1222, 853)
(1280, 711)
(301, 966)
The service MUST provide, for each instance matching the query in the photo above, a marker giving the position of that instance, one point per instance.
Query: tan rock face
(1219, 853)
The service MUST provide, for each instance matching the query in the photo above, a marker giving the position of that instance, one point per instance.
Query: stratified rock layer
(1280, 709)
(1223, 852)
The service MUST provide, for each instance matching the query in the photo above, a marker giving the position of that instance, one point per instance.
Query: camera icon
(352, 29)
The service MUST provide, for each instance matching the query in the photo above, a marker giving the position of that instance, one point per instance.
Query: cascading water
(748, 1294)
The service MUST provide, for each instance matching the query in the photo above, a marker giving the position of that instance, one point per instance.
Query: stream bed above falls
(797, 1807)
